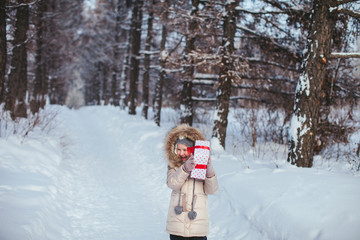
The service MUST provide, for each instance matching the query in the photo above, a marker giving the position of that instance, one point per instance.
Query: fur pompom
(192, 215)
(178, 210)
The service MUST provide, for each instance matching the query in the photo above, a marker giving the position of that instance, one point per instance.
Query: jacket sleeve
(211, 185)
(176, 178)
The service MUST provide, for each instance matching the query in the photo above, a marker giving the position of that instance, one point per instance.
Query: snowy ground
(98, 173)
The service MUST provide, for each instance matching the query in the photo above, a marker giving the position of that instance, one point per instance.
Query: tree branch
(177, 45)
(277, 4)
(340, 2)
(344, 55)
(239, 9)
(199, 99)
(267, 38)
(22, 4)
(353, 14)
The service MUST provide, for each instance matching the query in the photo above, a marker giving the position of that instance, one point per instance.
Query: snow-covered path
(117, 184)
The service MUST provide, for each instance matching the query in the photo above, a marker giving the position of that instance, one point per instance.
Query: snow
(163, 55)
(90, 4)
(298, 127)
(99, 173)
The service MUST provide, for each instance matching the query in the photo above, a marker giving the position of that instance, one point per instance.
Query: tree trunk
(106, 93)
(3, 51)
(309, 89)
(98, 84)
(134, 58)
(186, 105)
(40, 83)
(16, 98)
(146, 77)
(126, 68)
(115, 84)
(163, 58)
(224, 89)
(124, 77)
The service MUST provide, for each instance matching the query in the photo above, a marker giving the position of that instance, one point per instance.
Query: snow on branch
(240, 9)
(259, 60)
(340, 2)
(287, 10)
(211, 79)
(350, 13)
(22, 4)
(203, 82)
(149, 52)
(344, 55)
(202, 99)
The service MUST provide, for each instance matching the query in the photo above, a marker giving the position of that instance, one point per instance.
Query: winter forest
(297, 58)
(267, 71)
(187, 55)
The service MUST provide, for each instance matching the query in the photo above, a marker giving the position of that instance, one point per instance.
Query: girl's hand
(189, 165)
(210, 172)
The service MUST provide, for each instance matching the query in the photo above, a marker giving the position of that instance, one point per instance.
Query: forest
(299, 58)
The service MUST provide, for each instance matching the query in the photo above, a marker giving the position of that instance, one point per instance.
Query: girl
(188, 216)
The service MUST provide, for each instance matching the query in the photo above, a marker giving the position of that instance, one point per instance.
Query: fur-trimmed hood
(180, 131)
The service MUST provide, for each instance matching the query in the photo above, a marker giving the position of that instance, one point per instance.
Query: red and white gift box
(201, 158)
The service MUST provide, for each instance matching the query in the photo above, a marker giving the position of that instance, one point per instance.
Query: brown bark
(224, 88)
(146, 77)
(3, 53)
(124, 78)
(41, 83)
(163, 59)
(16, 98)
(310, 86)
(186, 105)
(134, 58)
(115, 83)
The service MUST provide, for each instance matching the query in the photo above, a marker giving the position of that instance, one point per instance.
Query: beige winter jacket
(183, 186)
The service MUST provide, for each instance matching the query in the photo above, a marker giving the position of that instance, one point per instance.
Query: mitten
(210, 172)
(189, 165)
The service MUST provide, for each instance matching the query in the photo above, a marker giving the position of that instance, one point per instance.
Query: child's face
(181, 151)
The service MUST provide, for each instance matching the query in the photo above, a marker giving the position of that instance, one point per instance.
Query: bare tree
(115, 80)
(146, 77)
(125, 65)
(186, 104)
(124, 77)
(134, 57)
(41, 83)
(163, 58)
(16, 96)
(3, 49)
(225, 76)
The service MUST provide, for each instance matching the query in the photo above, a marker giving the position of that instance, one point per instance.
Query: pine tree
(163, 58)
(310, 88)
(186, 104)
(225, 78)
(134, 57)
(3, 51)
(16, 100)
(40, 84)
(147, 61)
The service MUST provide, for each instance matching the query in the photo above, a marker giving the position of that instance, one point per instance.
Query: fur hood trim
(180, 131)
